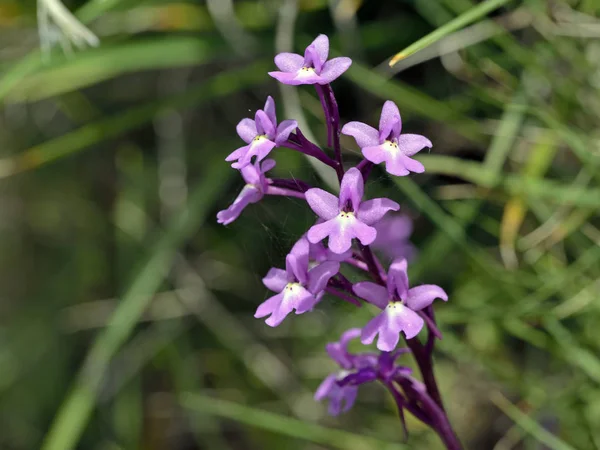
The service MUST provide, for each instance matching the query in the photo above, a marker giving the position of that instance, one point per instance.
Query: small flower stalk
(349, 233)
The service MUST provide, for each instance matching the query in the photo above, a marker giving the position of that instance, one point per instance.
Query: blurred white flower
(57, 24)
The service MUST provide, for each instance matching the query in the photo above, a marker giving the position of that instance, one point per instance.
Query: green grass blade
(75, 412)
(105, 62)
(528, 424)
(412, 100)
(288, 426)
(459, 22)
(67, 144)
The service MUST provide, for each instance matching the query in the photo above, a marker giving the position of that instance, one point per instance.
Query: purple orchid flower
(261, 134)
(393, 232)
(252, 192)
(319, 253)
(298, 287)
(313, 68)
(388, 144)
(341, 387)
(346, 217)
(399, 305)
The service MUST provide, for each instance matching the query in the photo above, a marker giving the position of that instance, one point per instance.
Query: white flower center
(394, 308)
(346, 216)
(260, 138)
(390, 147)
(305, 72)
(291, 289)
(342, 374)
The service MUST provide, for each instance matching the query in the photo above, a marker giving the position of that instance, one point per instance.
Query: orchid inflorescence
(353, 227)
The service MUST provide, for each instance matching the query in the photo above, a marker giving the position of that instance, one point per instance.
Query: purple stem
(293, 184)
(425, 364)
(365, 167)
(438, 417)
(423, 358)
(431, 336)
(374, 267)
(273, 190)
(310, 150)
(431, 326)
(332, 118)
(401, 402)
(358, 264)
(344, 282)
(343, 296)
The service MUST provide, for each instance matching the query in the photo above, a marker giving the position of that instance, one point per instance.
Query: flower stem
(274, 190)
(342, 295)
(293, 184)
(332, 118)
(299, 143)
(369, 258)
(439, 420)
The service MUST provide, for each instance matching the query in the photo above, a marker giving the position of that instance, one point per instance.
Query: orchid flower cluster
(353, 227)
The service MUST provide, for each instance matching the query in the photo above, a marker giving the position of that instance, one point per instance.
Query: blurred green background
(126, 310)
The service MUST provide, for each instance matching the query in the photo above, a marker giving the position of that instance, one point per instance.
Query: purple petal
(363, 232)
(364, 375)
(398, 275)
(352, 188)
(264, 126)
(319, 276)
(412, 164)
(288, 78)
(338, 351)
(300, 251)
(376, 154)
(251, 174)
(371, 329)
(333, 68)
(371, 292)
(320, 231)
(275, 280)
(341, 235)
(268, 306)
(422, 296)
(324, 204)
(410, 144)
(249, 194)
(269, 110)
(401, 319)
(260, 148)
(238, 153)
(307, 303)
(365, 135)
(372, 211)
(289, 299)
(394, 319)
(289, 62)
(396, 166)
(312, 59)
(296, 267)
(325, 387)
(284, 129)
(349, 335)
(390, 121)
(267, 165)
(246, 129)
(394, 228)
(349, 397)
(321, 44)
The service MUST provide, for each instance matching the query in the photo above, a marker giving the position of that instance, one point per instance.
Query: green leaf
(76, 409)
(459, 22)
(288, 426)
